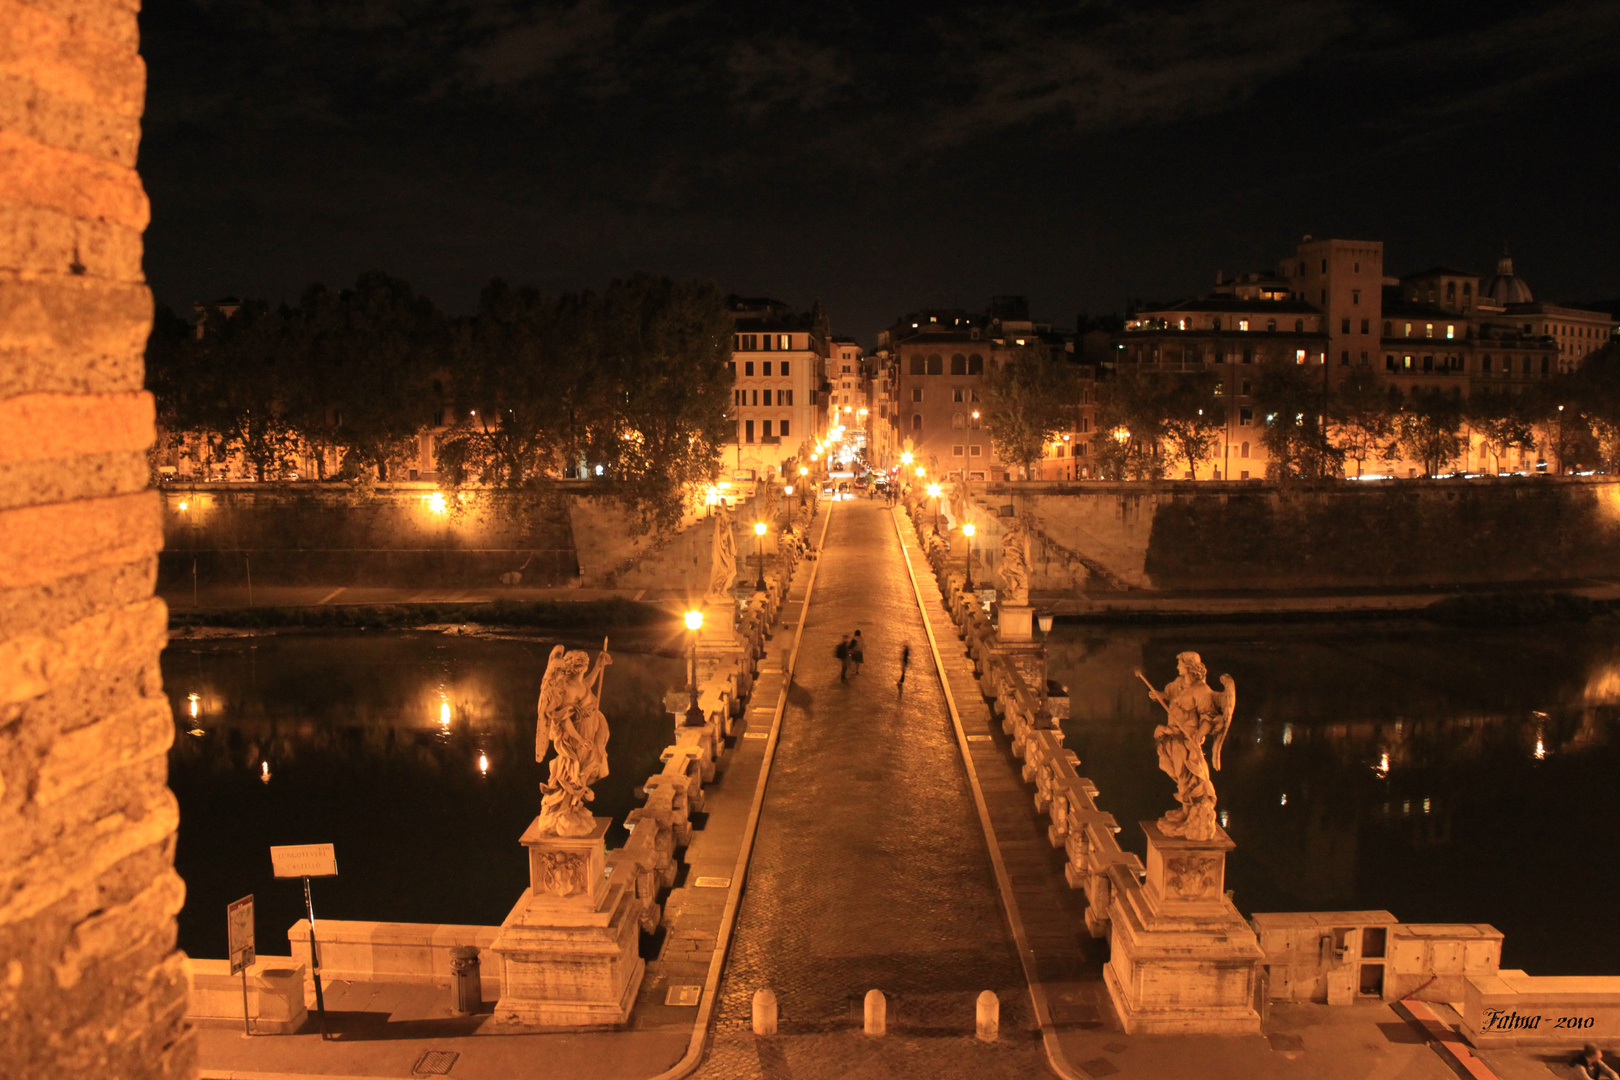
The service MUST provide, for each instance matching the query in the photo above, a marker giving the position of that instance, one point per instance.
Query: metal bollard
(464, 972)
(877, 1013)
(765, 1011)
(987, 1017)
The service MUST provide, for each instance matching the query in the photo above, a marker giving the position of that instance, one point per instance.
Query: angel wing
(542, 726)
(1228, 706)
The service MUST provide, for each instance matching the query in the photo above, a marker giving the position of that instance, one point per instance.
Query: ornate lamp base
(567, 949)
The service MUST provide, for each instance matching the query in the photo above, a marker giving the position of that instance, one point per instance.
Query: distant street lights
(968, 530)
(694, 623)
(759, 547)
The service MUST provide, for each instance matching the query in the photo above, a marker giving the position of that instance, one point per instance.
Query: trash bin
(464, 972)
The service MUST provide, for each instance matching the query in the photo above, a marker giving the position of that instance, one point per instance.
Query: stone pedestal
(1016, 622)
(1182, 960)
(568, 948)
(718, 638)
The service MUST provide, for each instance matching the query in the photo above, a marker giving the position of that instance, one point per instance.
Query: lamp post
(804, 470)
(968, 530)
(694, 623)
(759, 549)
(933, 493)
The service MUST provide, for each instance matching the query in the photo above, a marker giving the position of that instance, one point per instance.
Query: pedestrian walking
(842, 653)
(905, 662)
(856, 654)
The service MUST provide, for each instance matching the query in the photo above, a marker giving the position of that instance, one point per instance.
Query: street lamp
(933, 493)
(759, 547)
(694, 623)
(968, 530)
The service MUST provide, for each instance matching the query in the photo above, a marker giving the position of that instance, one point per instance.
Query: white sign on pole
(304, 860)
(239, 932)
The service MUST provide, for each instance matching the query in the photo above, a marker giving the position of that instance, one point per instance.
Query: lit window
(1299, 356)
(1451, 331)
(1428, 329)
(1243, 324)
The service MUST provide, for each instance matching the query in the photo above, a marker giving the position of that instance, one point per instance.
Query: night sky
(881, 156)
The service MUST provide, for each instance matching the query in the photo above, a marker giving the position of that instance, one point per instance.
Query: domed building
(1577, 332)
(1505, 287)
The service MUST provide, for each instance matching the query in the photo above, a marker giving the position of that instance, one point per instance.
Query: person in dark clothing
(905, 662)
(1589, 1064)
(856, 654)
(842, 653)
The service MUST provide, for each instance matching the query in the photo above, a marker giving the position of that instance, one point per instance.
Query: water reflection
(1442, 774)
(412, 751)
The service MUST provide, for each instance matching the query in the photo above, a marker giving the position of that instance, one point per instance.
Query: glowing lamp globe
(759, 528)
(968, 530)
(694, 620)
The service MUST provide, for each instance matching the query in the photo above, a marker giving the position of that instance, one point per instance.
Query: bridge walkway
(870, 868)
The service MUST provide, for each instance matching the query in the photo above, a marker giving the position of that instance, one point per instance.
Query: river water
(411, 751)
(1442, 774)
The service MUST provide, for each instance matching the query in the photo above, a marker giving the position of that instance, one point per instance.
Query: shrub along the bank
(1512, 609)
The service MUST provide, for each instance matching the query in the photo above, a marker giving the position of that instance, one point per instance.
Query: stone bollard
(987, 1017)
(765, 1011)
(877, 1013)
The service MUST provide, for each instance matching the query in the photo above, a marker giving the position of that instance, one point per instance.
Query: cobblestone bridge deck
(870, 868)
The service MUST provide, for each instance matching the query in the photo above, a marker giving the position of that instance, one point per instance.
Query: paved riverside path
(870, 868)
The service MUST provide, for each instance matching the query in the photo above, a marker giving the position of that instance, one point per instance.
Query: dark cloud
(881, 155)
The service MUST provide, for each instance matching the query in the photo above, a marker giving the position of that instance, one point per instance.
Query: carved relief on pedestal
(562, 873)
(1190, 877)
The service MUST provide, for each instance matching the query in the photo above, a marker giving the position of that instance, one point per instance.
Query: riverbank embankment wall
(412, 535)
(1098, 538)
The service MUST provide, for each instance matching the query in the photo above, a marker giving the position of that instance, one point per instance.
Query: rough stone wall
(326, 534)
(90, 982)
(1257, 536)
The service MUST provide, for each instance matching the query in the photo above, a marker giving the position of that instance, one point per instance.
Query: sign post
(307, 861)
(239, 932)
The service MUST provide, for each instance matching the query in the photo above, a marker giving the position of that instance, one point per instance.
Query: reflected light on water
(483, 764)
(1541, 748)
(444, 712)
(1382, 768)
(194, 699)
(264, 771)
(1288, 734)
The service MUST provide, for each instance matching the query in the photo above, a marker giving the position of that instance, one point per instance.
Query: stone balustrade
(1088, 836)
(662, 826)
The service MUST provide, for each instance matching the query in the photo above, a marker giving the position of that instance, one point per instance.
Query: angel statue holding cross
(570, 719)
(1194, 713)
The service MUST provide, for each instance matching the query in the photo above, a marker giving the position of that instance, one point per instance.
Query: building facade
(779, 361)
(941, 361)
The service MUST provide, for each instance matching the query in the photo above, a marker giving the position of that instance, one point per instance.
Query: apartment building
(779, 360)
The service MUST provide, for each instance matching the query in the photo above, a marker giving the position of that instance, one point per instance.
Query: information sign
(304, 860)
(239, 932)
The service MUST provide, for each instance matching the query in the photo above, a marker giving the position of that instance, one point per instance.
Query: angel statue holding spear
(570, 718)
(1195, 712)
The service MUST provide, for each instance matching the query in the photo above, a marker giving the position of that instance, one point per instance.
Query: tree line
(1150, 423)
(630, 383)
